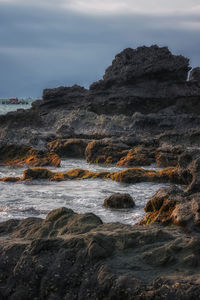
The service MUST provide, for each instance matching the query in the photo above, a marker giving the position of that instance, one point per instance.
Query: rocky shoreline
(144, 111)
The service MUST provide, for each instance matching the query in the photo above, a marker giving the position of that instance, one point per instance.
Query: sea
(38, 197)
(5, 108)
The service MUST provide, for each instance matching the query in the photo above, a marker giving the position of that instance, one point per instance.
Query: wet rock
(168, 155)
(103, 151)
(172, 206)
(118, 200)
(134, 175)
(138, 156)
(24, 155)
(10, 179)
(78, 174)
(69, 148)
(162, 204)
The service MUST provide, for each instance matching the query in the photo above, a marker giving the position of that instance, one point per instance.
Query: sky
(48, 43)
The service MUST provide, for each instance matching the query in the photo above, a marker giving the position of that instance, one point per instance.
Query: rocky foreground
(144, 111)
(72, 256)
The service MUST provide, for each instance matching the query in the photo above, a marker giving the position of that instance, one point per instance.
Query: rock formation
(73, 256)
(143, 111)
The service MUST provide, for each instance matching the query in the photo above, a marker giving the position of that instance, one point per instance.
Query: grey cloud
(47, 47)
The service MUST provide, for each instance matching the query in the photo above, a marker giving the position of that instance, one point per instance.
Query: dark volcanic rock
(137, 81)
(143, 64)
(73, 256)
(69, 96)
(144, 92)
(118, 200)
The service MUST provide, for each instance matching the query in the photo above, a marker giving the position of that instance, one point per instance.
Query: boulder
(143, 64)
(118, 200)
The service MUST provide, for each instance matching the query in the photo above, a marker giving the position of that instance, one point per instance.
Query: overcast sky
(47, 43)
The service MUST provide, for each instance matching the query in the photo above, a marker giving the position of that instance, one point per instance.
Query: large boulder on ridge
(145, 63)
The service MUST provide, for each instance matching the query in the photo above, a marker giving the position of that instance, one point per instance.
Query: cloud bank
(47, 43)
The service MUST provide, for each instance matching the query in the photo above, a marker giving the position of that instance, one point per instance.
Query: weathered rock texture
(72, 256)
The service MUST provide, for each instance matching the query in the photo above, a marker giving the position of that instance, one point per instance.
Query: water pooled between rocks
(38, 197)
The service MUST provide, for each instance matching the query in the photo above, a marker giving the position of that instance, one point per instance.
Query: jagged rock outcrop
(137, 81)
(143, 94)
(144, 64)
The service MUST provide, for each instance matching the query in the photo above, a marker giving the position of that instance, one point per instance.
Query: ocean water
(38, 197)
(5, 108)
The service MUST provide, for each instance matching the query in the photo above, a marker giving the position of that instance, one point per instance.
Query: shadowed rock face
(143, 64)
(143, 93)
(137, 81)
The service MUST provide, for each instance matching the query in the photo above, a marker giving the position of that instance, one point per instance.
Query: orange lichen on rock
(161, 206)
(78, 174)
(132, 175)
(13, 155)
(37, 159)
(10, 179)
(37, 173)
(138, 157)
